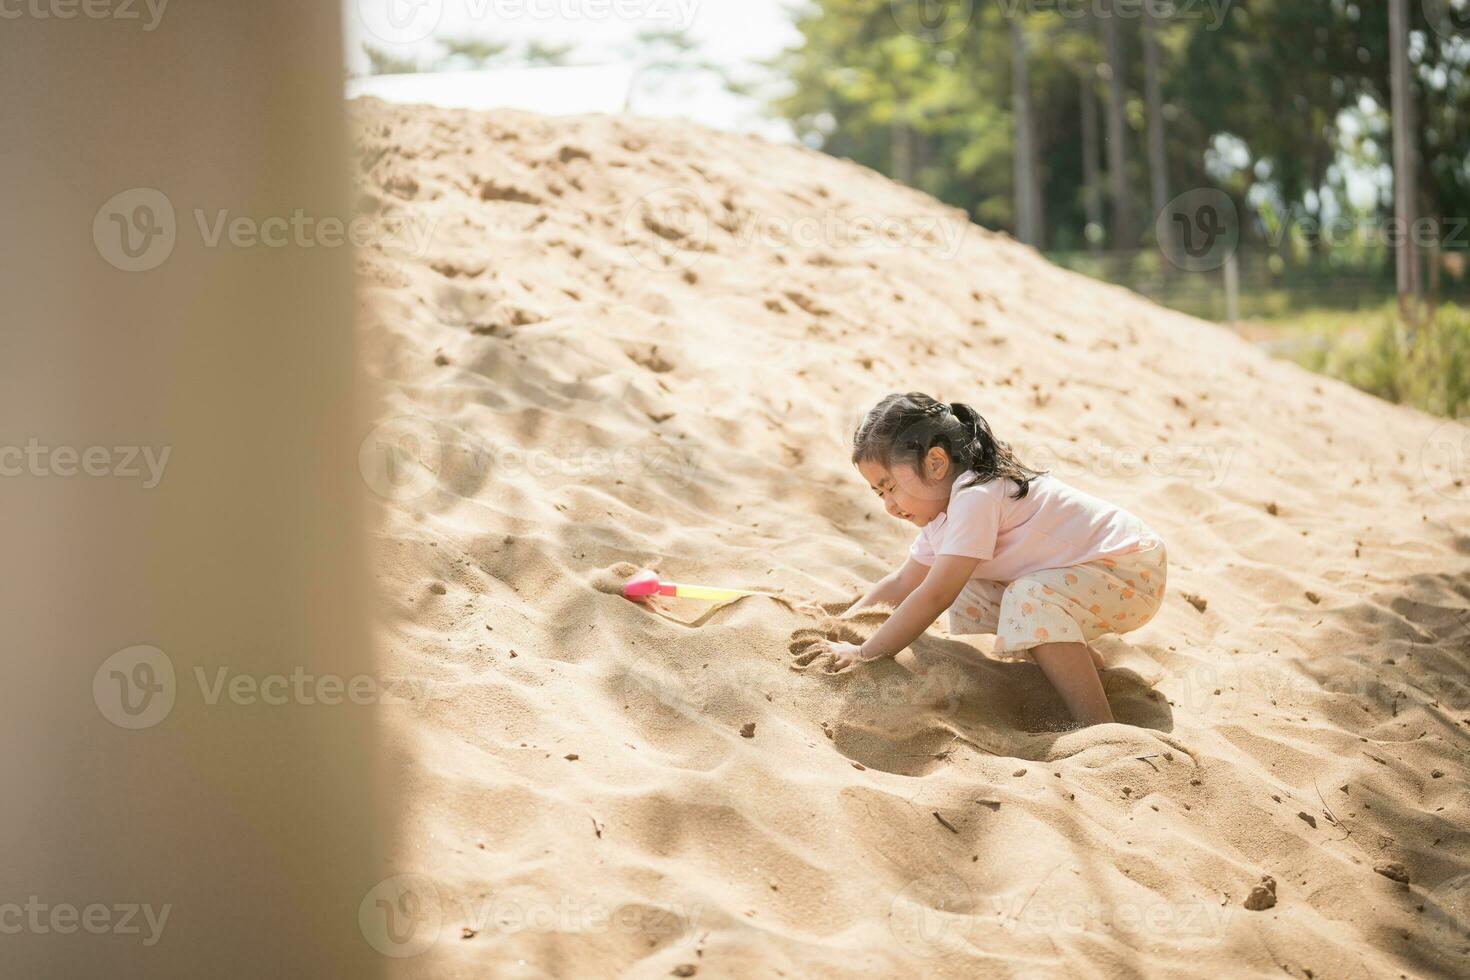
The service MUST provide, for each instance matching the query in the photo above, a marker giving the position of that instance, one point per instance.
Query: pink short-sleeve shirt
(1054, 526)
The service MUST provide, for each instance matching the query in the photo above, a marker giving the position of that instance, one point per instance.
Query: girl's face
(906, 494)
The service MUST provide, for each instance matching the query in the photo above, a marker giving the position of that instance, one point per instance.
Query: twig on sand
(1035, 890)
(1145, 758)
(945, 823)
(1328, 810)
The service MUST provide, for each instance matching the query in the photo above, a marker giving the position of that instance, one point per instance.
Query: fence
(1267, 284)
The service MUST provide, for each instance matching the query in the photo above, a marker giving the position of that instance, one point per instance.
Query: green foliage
(1281, 83)
(1427, 366)
(472, 52)
(382, 62)
(859, 84)
(469, 53)
(548, 54)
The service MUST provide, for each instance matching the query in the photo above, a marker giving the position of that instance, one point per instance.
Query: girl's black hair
(903, 428)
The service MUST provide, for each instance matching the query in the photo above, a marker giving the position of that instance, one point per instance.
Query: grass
(1427, 366)
(1329, 321)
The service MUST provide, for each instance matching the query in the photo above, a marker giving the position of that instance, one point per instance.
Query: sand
(631, 343)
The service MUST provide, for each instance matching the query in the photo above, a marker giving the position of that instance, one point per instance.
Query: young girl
(1006, 549)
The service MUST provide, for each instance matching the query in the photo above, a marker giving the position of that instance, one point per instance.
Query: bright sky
(735, 34)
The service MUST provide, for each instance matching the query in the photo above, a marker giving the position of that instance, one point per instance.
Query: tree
(1259, 101)
(547, 53)
(1158, 167)
(935, 113)
(382, 62)
(1404, 183)
(1091, 170)
(470, 52)
(1027, 164)
(1124, 235)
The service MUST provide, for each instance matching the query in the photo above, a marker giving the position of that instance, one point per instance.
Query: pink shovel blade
(642, 585)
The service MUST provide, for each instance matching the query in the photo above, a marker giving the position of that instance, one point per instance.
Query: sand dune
(631, 343)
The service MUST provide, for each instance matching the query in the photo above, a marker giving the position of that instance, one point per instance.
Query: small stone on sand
(1263, 896)
(1393, 870)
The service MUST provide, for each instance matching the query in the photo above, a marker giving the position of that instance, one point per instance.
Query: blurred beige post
(187, 790)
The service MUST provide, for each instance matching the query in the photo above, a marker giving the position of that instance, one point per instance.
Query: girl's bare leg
(1071, 669)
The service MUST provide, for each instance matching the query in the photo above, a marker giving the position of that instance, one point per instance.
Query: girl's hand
(844, 655)
(822, 653)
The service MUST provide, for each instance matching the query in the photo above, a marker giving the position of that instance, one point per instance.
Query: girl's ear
(937, 463)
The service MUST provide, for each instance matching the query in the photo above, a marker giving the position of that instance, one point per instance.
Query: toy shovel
(646, 584)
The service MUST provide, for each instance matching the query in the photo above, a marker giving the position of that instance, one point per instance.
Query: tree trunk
(901, 152)
(1430, 249)
(1158, 174)
(1322, 243)
(1403, 157)
(1431, 298)
(1092, 192)
(1124, 234)
(1024, 167)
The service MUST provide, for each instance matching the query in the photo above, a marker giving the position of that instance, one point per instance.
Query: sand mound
(627, 343)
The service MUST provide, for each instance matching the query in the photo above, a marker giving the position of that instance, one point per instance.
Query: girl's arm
(892, 588)
(936, 593)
